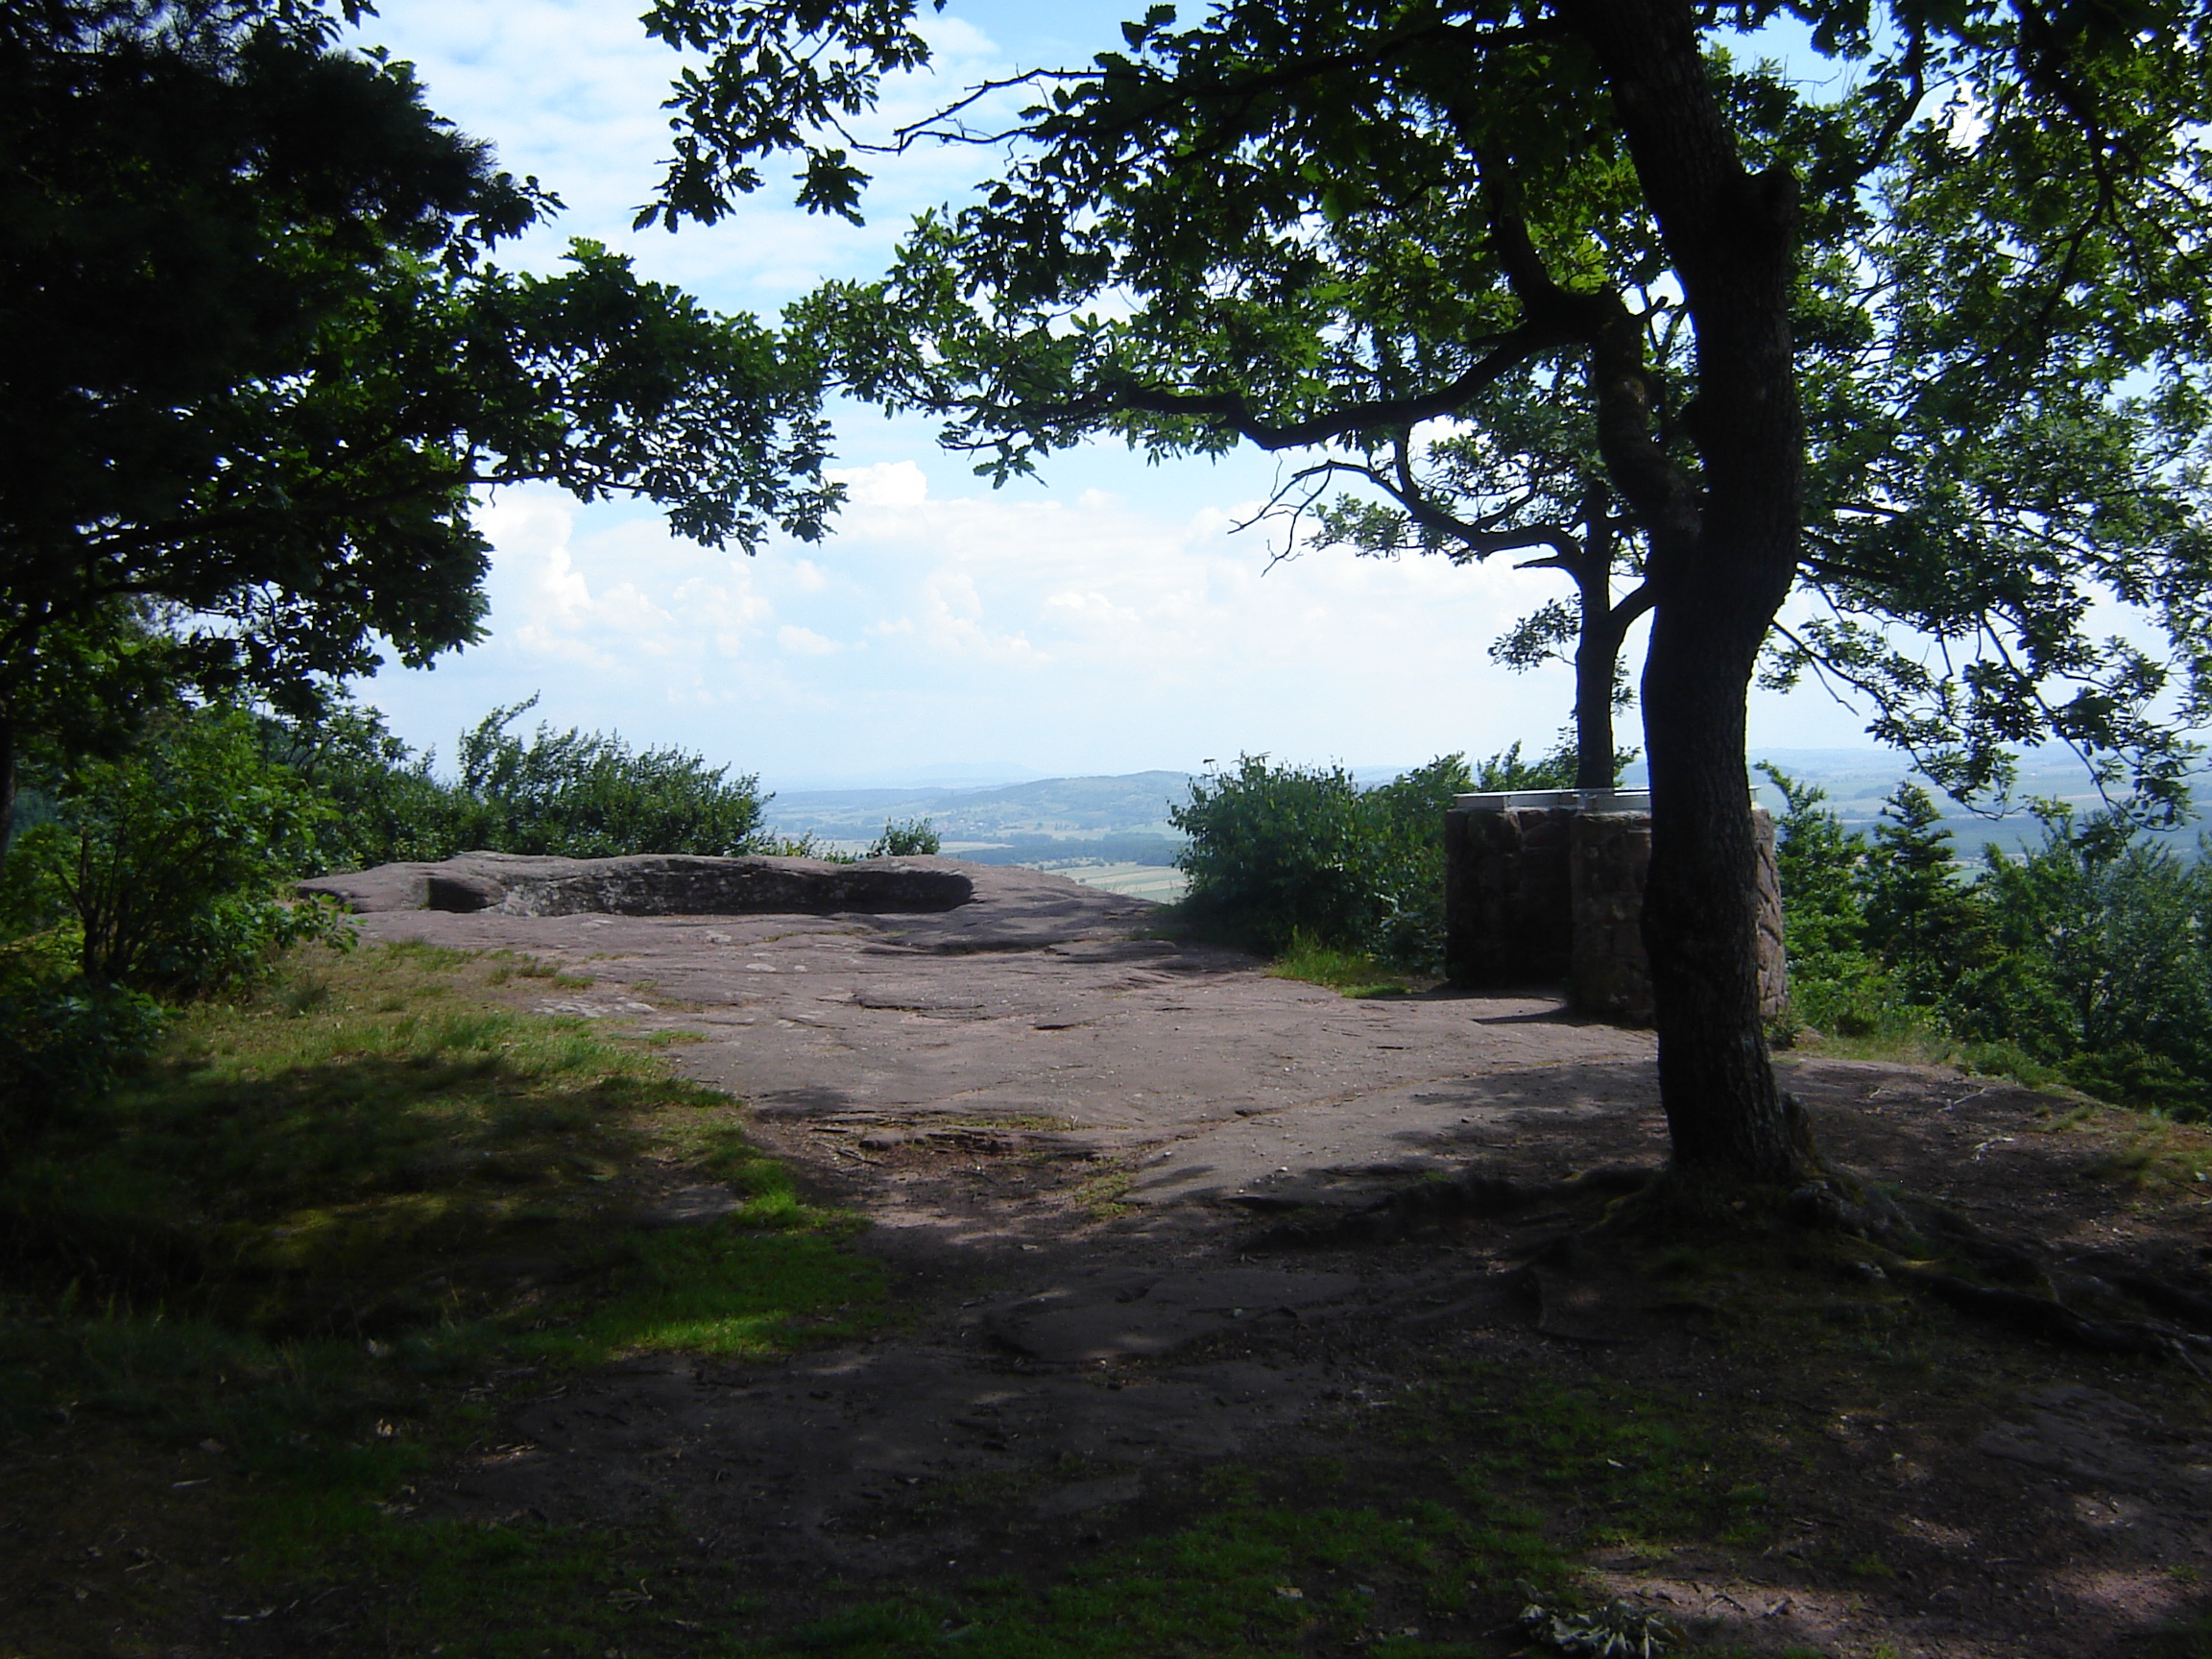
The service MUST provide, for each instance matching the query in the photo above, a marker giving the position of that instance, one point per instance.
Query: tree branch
(1232, 411)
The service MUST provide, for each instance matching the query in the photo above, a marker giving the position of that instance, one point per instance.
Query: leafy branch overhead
(262, 367)
(1370, 231)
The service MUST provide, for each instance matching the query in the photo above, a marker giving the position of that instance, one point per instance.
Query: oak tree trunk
(1731, 237)
(1596, 650)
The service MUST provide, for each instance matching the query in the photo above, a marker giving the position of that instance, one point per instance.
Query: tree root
(1912, 1241)
(1471, 1196)
(2047, 1317)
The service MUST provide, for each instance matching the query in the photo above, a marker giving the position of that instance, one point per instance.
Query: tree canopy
(1928, 329)
(259, 364)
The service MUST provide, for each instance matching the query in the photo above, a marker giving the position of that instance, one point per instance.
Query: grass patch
(375, 1148)
(1349, 973)
(1101, 1196)
(325, 1209)
(1247, 1581)
(1637, 1467)
(1268, 1572)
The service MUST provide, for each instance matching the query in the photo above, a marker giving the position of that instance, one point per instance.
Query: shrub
(1406, 849)
(586, 795)
(804, 845)
(1278, 852)
(592, 795)
(2099, 963)
(62, 1045)
(915, 838)
(389, 807)
(171, 856)
(2089, 959)
(1507, 770)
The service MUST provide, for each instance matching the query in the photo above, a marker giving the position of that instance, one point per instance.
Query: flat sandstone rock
(652, 884)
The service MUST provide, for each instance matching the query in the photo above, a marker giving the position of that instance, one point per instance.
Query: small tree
(1927, 925)
(171, 857)
(1282, 851)
(582, 795)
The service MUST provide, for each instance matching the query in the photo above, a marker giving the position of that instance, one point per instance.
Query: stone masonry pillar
(1548, 887)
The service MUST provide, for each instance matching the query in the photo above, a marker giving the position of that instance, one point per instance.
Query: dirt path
(1069, 1138)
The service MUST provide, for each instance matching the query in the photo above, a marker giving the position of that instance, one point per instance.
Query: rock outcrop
(653, 884)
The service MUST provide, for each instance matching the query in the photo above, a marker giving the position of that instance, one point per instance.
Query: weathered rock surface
(658, 885)
(1143, 1315)
(1216, 1079)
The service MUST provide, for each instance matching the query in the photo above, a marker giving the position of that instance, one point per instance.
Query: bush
(389, 806)
(915, 838)
(171, 857)
(1507, 771)
(62, 1045)
(2091, 958)
(1276, 852)
(578, 794)
(1279, 853)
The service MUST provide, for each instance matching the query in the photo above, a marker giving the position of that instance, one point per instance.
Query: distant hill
(1055, 809)
(1122, 821)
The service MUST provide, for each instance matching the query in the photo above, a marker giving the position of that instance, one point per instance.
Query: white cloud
(1106, 620)
(888, 485)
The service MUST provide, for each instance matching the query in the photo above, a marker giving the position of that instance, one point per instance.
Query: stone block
(1555, 896)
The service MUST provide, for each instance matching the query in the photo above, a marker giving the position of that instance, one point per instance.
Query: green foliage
(911, 838)
(62, 1047)
(577, 794)
(593, 795)
(389, 803)
(1506, 770)
(171, 856)
(1280, 851)
(1444, 263)
(260, 368)
(1835, 983)
(2089, 959)
(2101, 963)
(804, 845)
(1819, 859)
(1275, 850)
(1920, 920)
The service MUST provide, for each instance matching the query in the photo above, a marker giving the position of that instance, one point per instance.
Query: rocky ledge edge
(651, 884)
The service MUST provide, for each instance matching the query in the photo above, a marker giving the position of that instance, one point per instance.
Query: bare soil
(1073, 1142)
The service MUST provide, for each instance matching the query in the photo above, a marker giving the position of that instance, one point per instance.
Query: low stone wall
(1545, 895)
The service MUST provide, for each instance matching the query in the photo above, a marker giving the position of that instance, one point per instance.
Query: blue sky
(1106, 618)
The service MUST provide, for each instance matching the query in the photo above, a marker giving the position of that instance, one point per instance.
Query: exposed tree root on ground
(1867, 1232)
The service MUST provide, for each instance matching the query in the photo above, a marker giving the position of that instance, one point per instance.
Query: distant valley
(1109, 832)
(1113, 831)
